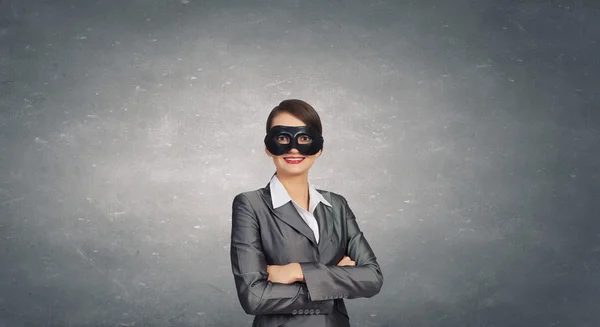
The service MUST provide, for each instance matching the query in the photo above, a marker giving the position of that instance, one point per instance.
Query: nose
(293, 150)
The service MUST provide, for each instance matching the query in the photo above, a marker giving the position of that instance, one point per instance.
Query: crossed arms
(266, 289)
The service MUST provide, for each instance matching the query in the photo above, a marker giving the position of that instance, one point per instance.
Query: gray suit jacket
(262, 235)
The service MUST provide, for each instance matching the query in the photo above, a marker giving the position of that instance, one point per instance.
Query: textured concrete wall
(464, 135)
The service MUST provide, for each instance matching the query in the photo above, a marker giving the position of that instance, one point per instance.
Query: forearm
(259, 297)
(326, 282)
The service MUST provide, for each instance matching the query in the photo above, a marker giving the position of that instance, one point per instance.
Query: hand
(346, 261)
(286, 274)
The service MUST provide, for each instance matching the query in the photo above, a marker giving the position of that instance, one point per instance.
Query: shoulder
(248, 197)
(245, 195)
(334, 198)
(244, 204)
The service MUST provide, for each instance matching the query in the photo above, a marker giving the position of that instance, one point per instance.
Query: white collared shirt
(280, 196)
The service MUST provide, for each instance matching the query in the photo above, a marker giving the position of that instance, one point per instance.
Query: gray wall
(464, 135)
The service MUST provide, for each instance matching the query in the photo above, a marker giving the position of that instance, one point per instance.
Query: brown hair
(299, 109)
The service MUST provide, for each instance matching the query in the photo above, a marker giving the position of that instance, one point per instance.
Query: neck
(296, 186)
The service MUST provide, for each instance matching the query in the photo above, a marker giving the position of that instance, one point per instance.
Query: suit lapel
(288, 214)
(323, 213)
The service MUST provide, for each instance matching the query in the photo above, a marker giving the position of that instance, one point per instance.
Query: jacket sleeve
(364, 280)
(256, 294)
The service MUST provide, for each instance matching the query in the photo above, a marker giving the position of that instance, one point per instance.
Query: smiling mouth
(294, 161)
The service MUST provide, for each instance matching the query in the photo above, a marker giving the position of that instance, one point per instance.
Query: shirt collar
(280, 196)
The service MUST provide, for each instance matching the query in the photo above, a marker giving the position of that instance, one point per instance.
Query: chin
(293, 171)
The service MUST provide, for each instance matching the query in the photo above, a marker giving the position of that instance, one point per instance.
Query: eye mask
(281, 139)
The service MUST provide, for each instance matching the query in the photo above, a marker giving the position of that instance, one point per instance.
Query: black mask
(290, 138)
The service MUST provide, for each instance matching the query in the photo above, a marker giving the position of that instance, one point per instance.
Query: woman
(297, 252)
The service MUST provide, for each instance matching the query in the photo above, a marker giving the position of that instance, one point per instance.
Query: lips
(293, 160)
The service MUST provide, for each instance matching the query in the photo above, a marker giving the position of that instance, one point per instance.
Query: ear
(318, 154)
(268, 153)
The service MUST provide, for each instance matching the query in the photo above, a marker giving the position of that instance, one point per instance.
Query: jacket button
(317, 311)
(294, 311)
(324, 297)
(345, 295)
(312, 311)
(300, 312)
(335, 296)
